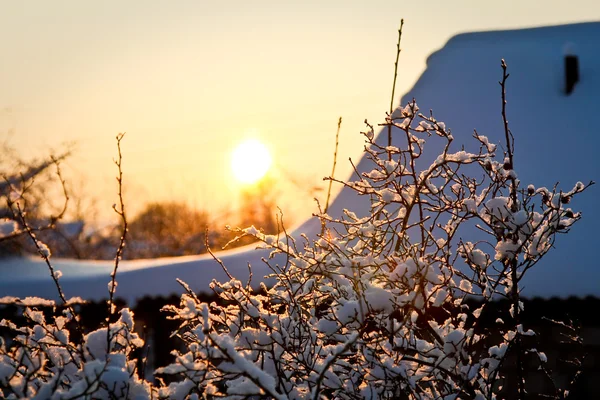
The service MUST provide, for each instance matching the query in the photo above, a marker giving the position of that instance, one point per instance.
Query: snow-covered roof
(556, 140)
(556, 136)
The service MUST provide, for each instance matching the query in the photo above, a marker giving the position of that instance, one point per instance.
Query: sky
(189, 80)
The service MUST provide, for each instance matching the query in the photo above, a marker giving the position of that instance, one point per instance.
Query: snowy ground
(556, 141)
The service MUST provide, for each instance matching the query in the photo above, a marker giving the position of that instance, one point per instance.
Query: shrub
(377, 306)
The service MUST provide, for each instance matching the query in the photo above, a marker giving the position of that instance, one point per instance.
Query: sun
(250, 161)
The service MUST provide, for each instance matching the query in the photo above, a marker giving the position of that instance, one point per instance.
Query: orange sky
(188, 80)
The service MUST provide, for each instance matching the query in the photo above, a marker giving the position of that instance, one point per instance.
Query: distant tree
(258, 208)
(28, 188)
(33, 192)
(169, 229)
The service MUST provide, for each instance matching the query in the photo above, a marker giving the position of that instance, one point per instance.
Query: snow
(7, 227)
(555, 141)
(23, 277)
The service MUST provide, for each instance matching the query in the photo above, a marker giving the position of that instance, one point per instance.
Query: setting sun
(250, 161)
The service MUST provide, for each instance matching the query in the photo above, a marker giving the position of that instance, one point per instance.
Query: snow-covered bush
(43, 362)
(378, 306)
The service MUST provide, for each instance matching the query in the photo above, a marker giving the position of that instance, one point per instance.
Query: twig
(63, 183)
(332, 359)
(335, 152)
(398, 50)
(119, 254)
(32, 171)
(45, 254)
(219, 261)
(510, 143)
(513, 262)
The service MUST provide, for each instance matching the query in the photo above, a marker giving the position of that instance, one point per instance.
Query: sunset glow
(187, 80)
(250, 161)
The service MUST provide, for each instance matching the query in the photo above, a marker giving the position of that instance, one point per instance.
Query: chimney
(571, 69)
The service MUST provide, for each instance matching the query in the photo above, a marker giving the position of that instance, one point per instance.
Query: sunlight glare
(250, 161)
